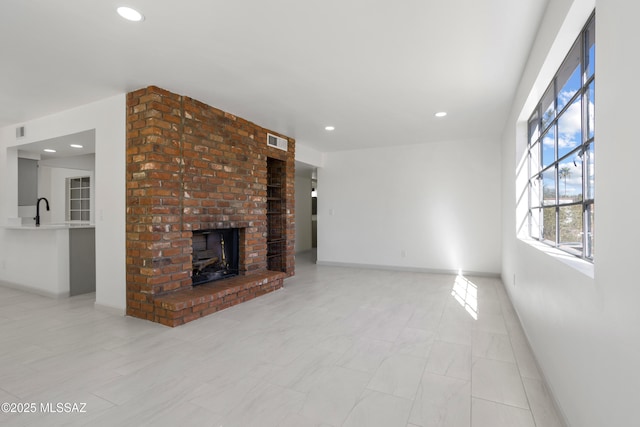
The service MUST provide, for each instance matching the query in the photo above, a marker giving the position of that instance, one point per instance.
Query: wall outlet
(403, 253)
(514, 280)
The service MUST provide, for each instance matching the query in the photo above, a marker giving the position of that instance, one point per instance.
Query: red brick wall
(190, 167)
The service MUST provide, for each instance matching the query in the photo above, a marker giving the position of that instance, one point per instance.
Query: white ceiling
(62, 145)
(377, 70)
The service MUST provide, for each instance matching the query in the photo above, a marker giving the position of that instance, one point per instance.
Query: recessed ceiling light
(49, 150)
(130, 14)
(441, 114)
(76, 146)
(329, 128)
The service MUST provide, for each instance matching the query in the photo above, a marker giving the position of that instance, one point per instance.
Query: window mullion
(573, 90)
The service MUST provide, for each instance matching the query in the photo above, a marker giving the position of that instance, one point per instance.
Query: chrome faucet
(37, 218)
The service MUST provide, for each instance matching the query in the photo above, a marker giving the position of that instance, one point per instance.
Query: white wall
(85, 162)
(308, 155)
(584, 331)
(108, 118)
(303, 213)
(313, 158)
(432, 206)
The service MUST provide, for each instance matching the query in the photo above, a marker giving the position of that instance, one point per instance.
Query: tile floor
(335, 347)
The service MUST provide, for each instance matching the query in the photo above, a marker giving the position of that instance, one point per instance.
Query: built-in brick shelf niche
(191, 170)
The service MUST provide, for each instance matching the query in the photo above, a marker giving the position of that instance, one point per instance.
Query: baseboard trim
(33, 290)
(407, 269)
(116, 311)
(547, 384)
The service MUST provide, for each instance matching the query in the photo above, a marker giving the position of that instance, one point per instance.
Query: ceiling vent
(20, 132)
(276, 142)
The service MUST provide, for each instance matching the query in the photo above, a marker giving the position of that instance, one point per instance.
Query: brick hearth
(176, 308)
(194, 167)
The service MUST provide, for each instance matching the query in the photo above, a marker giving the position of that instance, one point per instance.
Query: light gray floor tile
(442, 402)
(488, 345)
(489, 322)
(335, 342)
(335, 345)
(414, 342)
(297, 374)
(379, 410)
(185, 413)
(426, 318)
(170, 395)
(499, 382)
(334, 395)
(542, 407)
(224, 395)
(524, 356)
(398, 375)
(297, 420)
(452, 360)
(489, 306)
(455, 331)
(265, 406)
(365, 355)
(491, 414)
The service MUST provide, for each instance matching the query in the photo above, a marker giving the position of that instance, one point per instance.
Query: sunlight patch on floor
(466, 293)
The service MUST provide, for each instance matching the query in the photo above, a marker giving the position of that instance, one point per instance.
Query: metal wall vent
(277, 142)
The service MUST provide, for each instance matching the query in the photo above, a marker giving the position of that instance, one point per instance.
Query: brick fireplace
(192, 167)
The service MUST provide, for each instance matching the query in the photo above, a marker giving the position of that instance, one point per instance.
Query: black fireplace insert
(215, 255)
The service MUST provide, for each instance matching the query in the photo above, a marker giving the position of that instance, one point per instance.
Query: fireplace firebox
(215, 255)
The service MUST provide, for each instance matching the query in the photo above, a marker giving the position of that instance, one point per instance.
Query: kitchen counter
(54, 259)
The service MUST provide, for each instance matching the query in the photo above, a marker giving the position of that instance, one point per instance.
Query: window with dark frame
(561, 154)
